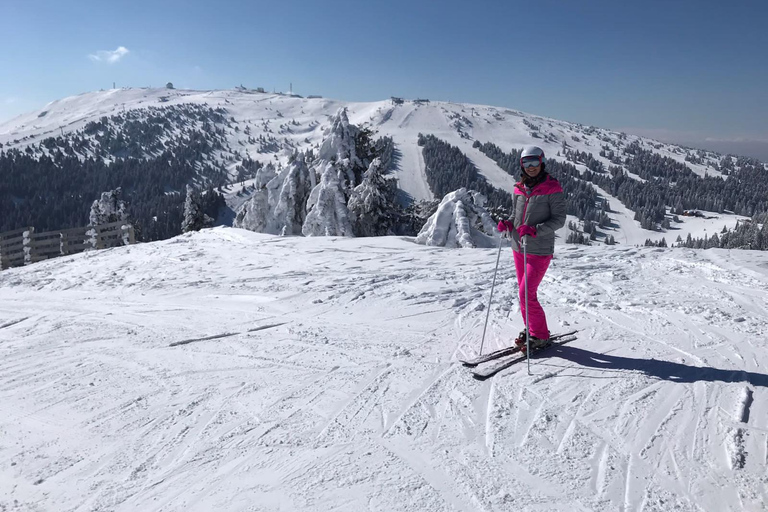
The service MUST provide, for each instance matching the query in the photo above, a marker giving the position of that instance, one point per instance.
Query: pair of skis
(510, 356)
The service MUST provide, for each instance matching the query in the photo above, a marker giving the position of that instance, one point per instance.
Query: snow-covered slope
(229, 370)
(289, 123)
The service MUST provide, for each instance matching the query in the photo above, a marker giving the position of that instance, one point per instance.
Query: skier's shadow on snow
(675, 372)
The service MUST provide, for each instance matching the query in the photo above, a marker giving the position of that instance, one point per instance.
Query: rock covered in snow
(461, 220)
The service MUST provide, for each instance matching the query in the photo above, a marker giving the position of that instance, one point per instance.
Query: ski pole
(493, 284)
(524, 243)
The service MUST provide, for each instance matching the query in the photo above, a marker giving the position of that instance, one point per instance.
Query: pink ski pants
(537, 267)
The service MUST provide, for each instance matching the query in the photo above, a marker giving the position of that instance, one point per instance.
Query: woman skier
(539, 211)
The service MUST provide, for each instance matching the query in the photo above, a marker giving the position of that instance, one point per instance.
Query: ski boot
(536, 343)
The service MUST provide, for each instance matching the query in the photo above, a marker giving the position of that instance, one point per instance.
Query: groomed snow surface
(228, 370)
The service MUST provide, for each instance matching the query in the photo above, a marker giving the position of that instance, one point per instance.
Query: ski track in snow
(229, 370)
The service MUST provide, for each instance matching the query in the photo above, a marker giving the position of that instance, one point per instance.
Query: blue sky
(687, 71)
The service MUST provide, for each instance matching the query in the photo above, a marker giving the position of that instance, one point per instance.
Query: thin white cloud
(755, 145)
(11, 100)
(110, 57)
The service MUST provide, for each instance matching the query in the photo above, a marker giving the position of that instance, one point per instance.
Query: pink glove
(505, 225)
(526, 231)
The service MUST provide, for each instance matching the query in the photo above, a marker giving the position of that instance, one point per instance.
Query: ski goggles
(530, 161)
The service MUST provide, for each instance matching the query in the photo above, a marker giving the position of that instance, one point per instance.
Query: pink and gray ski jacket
(542, 207)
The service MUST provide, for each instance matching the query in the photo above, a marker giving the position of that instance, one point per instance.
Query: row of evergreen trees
(342, 189)
(582, 199)
(58, 194)
(448, 169)
(585, 236)
(371, 194)
(192, 131)
(51, 185)
(153, 154)
(670, 183)
(752, 235)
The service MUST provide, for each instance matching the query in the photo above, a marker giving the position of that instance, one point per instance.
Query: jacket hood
(546, 187)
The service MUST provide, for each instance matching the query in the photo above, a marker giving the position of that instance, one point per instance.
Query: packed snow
(231, 370)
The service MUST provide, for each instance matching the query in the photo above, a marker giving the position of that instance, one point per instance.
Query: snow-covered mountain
(230, 370)
(272, 128)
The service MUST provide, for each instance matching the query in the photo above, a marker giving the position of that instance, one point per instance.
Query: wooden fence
(24, 246)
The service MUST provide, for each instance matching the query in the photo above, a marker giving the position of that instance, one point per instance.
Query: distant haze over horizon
(741, 147)
(753, 149)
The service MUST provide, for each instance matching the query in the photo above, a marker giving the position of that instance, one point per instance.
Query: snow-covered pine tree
(278, 206)
(293, 202)
(109, 208)
(191, 212)
(195, 218)
(290, 196)
(339, 146)
(328, 213)
(338, 166)
(414, 216)
(254, 213)
(372, 204)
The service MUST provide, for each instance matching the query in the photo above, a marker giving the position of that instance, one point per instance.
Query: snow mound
(461, 220)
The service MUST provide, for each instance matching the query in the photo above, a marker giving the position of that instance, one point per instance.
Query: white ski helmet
(531, 157)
